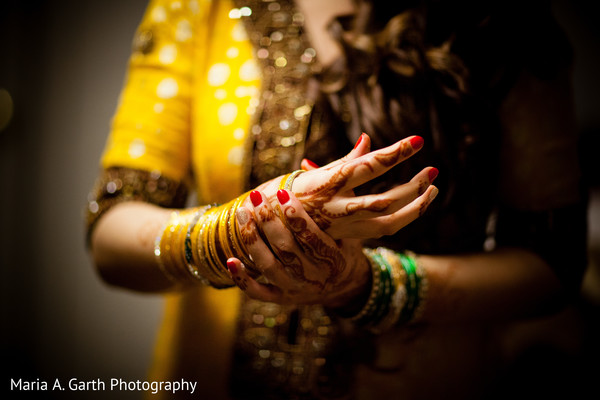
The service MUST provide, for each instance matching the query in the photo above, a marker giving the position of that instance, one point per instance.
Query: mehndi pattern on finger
(315, 247)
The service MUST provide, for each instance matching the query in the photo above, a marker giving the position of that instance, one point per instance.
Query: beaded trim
(118, 184)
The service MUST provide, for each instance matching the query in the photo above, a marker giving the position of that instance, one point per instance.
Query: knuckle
(284, 245)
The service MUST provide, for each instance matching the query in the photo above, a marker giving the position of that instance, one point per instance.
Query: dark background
(62, 63)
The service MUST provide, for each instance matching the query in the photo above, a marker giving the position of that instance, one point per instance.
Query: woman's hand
(302, 264)
(328, 197)
(327, 193)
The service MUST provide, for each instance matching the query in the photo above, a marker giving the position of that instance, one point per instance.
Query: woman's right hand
(328, 197)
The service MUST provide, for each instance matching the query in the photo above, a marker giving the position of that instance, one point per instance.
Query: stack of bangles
(195, 243)
(398, 290)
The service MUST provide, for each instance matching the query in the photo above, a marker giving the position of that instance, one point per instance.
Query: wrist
(357, 297)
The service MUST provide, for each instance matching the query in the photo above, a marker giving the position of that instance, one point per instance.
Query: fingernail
(312, 164)
(283, 196)
(232, 267)
(433, 173)
(242, 216)
(256, 198)
(416, 142)
(359, 140)
(433, 194)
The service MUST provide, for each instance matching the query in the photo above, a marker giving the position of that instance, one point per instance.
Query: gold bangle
(202, 247)
(222, 231)
(210, 240)
(286, 184)
(177, 247)
(208, 249)
(166, 248)
(192, 261)
(288, 180)
(236, 243)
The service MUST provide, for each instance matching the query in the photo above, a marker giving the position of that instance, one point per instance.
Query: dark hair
(438, 69)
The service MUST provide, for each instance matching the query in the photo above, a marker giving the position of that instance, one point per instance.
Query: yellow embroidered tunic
(190, 93)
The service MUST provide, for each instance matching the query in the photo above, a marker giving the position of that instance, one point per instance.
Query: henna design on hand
(314, 200)
(242, 283)
(391, 158)
(248, 235)
(293, 266)
(316, 248)
(266, 214)
(422, 187)
(377, 206)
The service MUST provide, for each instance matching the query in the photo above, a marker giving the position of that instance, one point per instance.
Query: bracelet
(364, 315)
(234, 236)
(288, 180)
(169, 247)
(192, 263)
(399, 296)
(398, 290)
(422, 286)
(286, 184)
(412, 289)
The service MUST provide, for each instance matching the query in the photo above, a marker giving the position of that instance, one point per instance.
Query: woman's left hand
(302, 264)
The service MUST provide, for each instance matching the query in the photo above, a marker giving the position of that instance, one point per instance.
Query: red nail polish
(232, 266)
(359, 140)
(256, 198)
(283, 196)
(416, 142)
(312, 164)
(433, 173)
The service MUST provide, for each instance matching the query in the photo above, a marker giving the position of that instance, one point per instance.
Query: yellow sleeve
(151, 128)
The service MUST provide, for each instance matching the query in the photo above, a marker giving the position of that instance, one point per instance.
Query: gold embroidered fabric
(116, 185)
(287, 61)
(282, 351)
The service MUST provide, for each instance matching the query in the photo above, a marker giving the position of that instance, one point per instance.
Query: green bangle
(397, 297)
(412, 289)
(385, 292)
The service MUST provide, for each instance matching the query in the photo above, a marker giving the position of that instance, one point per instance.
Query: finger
(265, 262)
(251, 287)
(318, 246)
(371, 165)
(294, 268)
(392, 223)
(370, 206)
(297, 220)
(308, 165)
